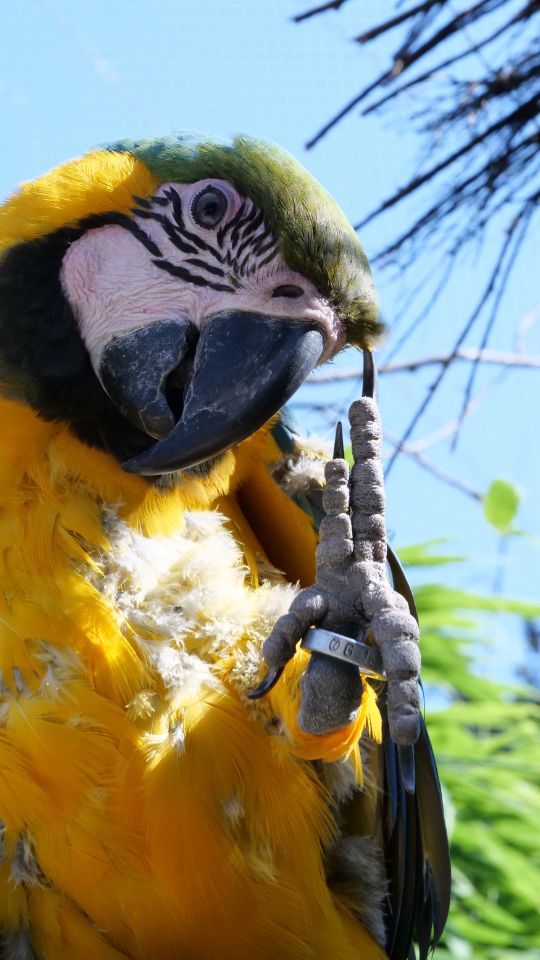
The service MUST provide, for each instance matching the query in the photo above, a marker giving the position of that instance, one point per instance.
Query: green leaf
(485, 737)
(437, 598)
(501, 504)
(420, 555)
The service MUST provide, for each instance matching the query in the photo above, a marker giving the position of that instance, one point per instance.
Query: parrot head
(166, 297)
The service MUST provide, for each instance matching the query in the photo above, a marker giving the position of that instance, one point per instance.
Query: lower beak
(246, 366)
(134, 370)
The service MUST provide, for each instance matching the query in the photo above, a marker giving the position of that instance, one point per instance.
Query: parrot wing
(420, 860)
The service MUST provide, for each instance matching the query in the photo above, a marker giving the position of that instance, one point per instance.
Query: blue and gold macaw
(159, 302)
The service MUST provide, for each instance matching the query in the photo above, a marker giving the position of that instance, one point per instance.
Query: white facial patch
(164, 264)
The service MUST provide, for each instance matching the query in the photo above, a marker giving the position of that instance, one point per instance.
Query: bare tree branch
(406, 57)
(446, 430)
(491, 119)
(432, 389)
(480, 188)
(413, 324)
(497, 358)
(347, 109)
(397, 21)
(526, 111)
(523, 220)
(432, 468)
(422, 77)
(480, 126)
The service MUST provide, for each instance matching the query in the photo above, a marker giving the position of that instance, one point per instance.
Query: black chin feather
(43, 360)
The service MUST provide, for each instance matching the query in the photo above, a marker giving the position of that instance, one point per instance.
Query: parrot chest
(155, 813)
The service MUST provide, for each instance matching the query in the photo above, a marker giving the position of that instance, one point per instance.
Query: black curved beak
(135, 370)
(246, 366)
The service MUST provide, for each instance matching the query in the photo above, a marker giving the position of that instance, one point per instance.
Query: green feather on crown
(314, 236)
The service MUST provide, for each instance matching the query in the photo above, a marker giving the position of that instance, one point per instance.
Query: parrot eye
(209, 207)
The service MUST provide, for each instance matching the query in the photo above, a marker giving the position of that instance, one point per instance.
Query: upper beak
(246, 366)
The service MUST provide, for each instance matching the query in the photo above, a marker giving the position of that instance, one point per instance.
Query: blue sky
(78, 73)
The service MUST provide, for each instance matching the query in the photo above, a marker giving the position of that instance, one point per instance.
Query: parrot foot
(331, 694)
(352, 596)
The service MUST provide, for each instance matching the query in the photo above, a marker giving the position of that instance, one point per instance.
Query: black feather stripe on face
(249, 242)
(182, 274)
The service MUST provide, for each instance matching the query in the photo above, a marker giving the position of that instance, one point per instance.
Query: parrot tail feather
(417, 853)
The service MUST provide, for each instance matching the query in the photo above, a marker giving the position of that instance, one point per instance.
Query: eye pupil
(209, 207)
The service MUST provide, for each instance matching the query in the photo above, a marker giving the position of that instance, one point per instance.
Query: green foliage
(420, 555)
(501, 504)
(486, 739)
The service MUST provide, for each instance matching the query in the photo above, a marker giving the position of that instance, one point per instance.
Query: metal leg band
(367, 658)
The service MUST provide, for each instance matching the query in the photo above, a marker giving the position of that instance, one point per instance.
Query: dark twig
(432, 468)
(432, 389)
(397, 21)
(522, 219)
(490, 119)
(497, 358)
(434, 297)
(443, 65)
(481, 130)
(526, 111)
(407, 56)
(347, 109)
(331, 5)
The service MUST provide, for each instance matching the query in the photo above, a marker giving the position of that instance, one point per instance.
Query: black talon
(400, 582)
(368, 375)
(272, 676)
(339, 449)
